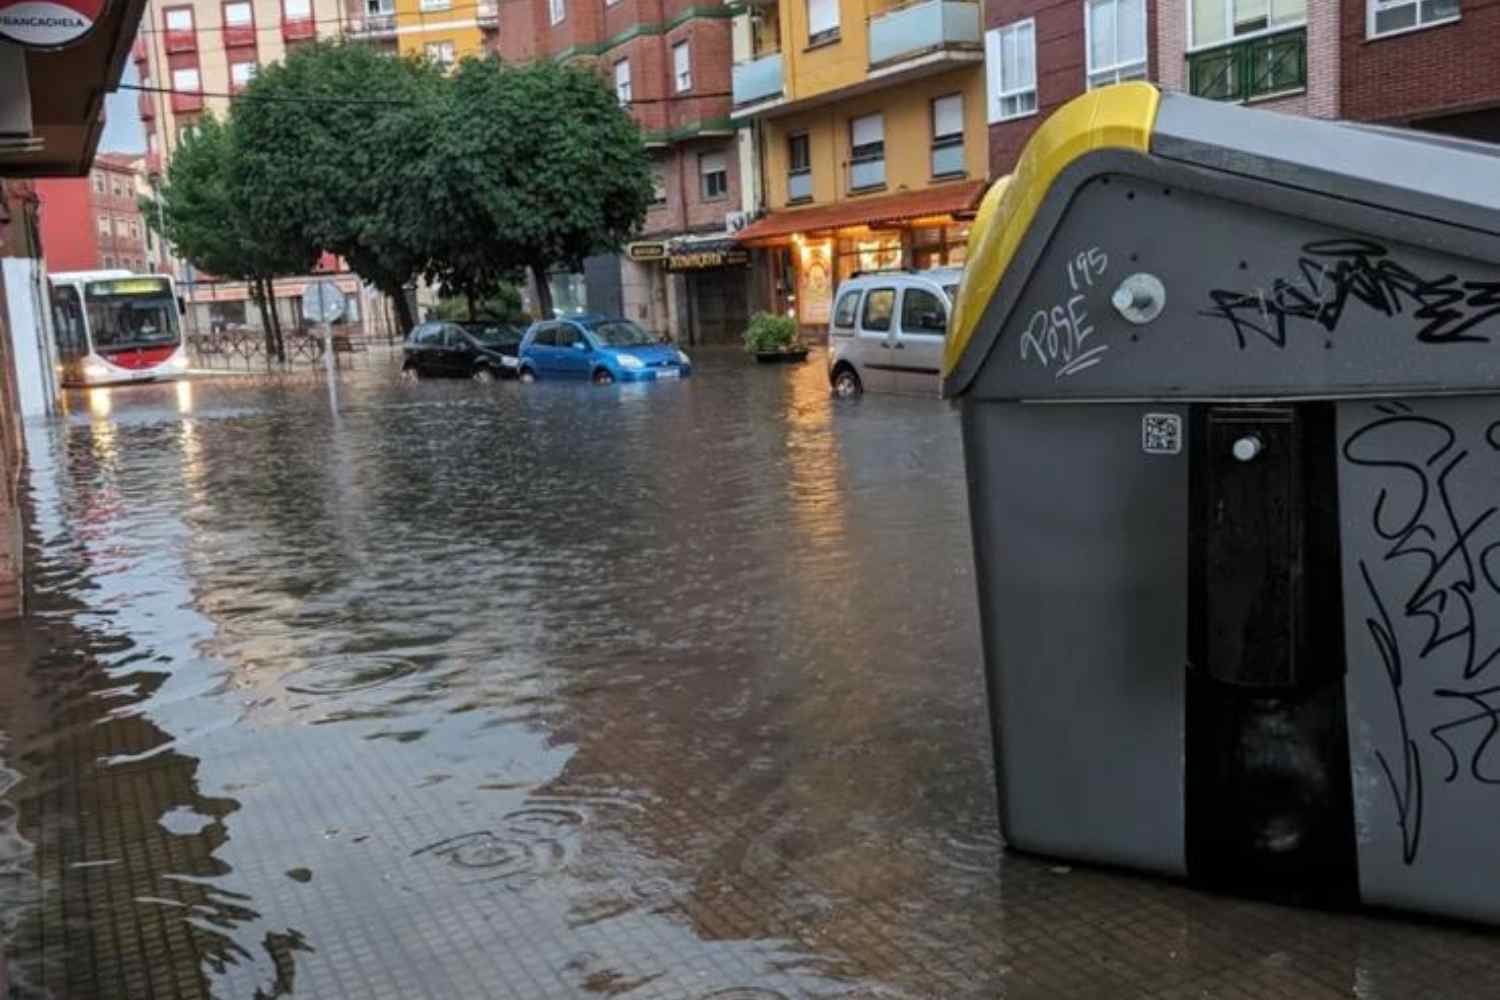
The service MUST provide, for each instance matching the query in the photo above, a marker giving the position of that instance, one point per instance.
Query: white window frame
(1372, 5)
(704, 160)
(993, 42)
(379, 8)
(247, 6)
(1271, 29)
(195, 88)
(1118, 71)
(183, 11)
(429, 6)
(298, 18)
(430, 48)
(105, 228)
(682, 75)
(557, 10)
(254, 68)
(622, 81)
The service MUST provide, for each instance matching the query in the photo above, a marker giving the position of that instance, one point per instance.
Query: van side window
(923, 312)
(847, 310)
(879, 305)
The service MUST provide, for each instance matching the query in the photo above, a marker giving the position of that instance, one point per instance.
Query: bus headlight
(93, 370)
(178, 363)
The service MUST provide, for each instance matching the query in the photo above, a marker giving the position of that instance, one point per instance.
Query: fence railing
(1256, 67)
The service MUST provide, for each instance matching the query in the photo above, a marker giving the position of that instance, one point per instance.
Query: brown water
(552, 691)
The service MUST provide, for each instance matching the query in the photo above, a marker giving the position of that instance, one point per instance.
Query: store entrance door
(719, 304)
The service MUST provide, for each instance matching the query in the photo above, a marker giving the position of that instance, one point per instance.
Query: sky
(123, 132)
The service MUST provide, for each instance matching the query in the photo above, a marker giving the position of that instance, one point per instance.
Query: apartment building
(443, 30)
(200, 53)
(95, 221)
(668, 61)
(863, 125)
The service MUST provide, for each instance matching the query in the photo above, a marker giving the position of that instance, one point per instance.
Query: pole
(325, 306)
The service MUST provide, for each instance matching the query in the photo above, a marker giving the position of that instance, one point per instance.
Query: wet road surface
(554, 691)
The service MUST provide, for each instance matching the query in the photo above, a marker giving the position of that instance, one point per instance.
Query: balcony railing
(488, 13)
(180, 41)
(147, 104)
(375, 26)
(298, 29)
(238, 35)
(184, 100)
(1258, 67)
(757, 79)
(799, 184)
(138, 50)
(924, 27)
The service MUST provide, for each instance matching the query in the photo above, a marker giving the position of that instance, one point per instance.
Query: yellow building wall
(416, 28)
(908, 138)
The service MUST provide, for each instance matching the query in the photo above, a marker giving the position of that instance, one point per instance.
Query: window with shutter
(682, 66)
(1010, 70)
(822, 21)
(948, 136)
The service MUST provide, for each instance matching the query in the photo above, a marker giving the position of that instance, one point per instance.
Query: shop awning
(947, 199)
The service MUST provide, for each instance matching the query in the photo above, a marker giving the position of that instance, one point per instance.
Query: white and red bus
(115, 326)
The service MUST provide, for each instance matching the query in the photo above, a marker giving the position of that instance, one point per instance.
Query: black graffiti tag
(1334, 274)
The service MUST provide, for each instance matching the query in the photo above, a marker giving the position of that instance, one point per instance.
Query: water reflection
(542, 692)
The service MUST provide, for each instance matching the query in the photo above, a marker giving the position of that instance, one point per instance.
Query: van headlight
(630, 361)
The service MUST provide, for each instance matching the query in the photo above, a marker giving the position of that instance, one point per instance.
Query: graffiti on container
(1332, 275)
(1433, 631)
(1055, 337)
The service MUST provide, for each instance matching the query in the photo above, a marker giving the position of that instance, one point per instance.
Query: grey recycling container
(1230, 395)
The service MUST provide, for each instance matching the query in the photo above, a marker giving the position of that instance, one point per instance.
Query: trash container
(1228, 388)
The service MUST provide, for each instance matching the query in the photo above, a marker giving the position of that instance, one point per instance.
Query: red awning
(946, 199)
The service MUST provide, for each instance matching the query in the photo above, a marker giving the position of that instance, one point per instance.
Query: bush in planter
(770, 332)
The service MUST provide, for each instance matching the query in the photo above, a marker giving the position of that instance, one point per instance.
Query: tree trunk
(543, 291)
(404, 319)
(276, 321)
(470, 297)
(258, 290)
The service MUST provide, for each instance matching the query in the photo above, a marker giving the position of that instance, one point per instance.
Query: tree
(340, 147)
(542, 167)
(205, 214)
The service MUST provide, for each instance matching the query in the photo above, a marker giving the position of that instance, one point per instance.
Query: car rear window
(848, 309)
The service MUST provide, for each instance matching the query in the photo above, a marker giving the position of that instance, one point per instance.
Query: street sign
(48, 24)
(322, 301)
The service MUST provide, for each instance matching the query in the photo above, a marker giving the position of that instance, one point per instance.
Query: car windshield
(494, 335)
(621, 333)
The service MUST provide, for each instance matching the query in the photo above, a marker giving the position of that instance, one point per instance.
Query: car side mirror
(579, 345)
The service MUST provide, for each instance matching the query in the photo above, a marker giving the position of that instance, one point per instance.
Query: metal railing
(757, 79)
(921, 27)
(1256, 67)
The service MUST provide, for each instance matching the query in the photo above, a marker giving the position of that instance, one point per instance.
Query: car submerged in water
(482, 351)
(601, 349)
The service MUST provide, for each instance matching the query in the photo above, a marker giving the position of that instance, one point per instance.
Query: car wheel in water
(603, 377)
(846, 383)
(409, 373)
(485, 375)
(527, 375)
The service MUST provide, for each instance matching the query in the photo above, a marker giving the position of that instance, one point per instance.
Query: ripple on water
(346, 673)
(525, 846)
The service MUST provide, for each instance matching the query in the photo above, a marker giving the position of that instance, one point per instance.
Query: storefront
(811, 250)
(697, 288)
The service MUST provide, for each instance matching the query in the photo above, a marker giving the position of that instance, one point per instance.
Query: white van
(887, 331)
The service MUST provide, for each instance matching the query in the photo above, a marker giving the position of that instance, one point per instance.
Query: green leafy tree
(204, 213)
(542, 168)
(340, 146)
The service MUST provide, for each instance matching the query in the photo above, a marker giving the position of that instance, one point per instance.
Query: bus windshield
(133, 312)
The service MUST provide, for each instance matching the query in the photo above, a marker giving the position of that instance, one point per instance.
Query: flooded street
(554, 691)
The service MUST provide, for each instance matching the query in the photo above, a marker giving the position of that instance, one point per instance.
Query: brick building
(95, 222)
(1432, 65)
(669, 63)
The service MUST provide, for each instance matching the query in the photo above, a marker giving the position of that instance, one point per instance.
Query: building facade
(863, 132)
(94, 222)
(445, 31)
(668, 62)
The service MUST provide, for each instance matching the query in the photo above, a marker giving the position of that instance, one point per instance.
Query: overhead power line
(280, 99)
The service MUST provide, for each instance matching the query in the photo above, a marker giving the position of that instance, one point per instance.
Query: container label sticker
(1161, 434)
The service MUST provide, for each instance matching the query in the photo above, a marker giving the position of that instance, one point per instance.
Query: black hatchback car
(477, 350)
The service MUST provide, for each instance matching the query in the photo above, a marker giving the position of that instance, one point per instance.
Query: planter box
(781, 357)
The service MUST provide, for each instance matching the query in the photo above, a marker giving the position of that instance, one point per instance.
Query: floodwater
(553, 691)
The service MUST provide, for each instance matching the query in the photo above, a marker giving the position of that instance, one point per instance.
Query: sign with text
(640, 252)
(702, 260)
(48, 24)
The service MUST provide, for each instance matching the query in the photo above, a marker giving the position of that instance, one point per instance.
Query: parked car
(887, 331)
(601, 348)
(478, 350)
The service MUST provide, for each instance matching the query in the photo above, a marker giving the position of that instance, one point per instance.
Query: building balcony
(186, 102)
(138, 50)
(180, 41)
(298, 29)
(1265, 66)
(147, 105)
(153, 164)
(924, 31)
(239, 36)
(374, 26)
(757, 81)
(487, 13)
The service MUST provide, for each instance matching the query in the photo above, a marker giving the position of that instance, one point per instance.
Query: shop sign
(640, 252)
(48, 24)
(702, 260)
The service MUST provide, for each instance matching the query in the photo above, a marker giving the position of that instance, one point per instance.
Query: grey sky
(123, 132)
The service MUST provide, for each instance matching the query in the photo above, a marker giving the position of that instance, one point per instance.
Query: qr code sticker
(1161, 434)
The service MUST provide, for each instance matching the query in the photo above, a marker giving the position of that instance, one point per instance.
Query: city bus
(114, 326)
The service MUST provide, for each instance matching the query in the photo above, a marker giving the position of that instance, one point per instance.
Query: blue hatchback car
(600, 348)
